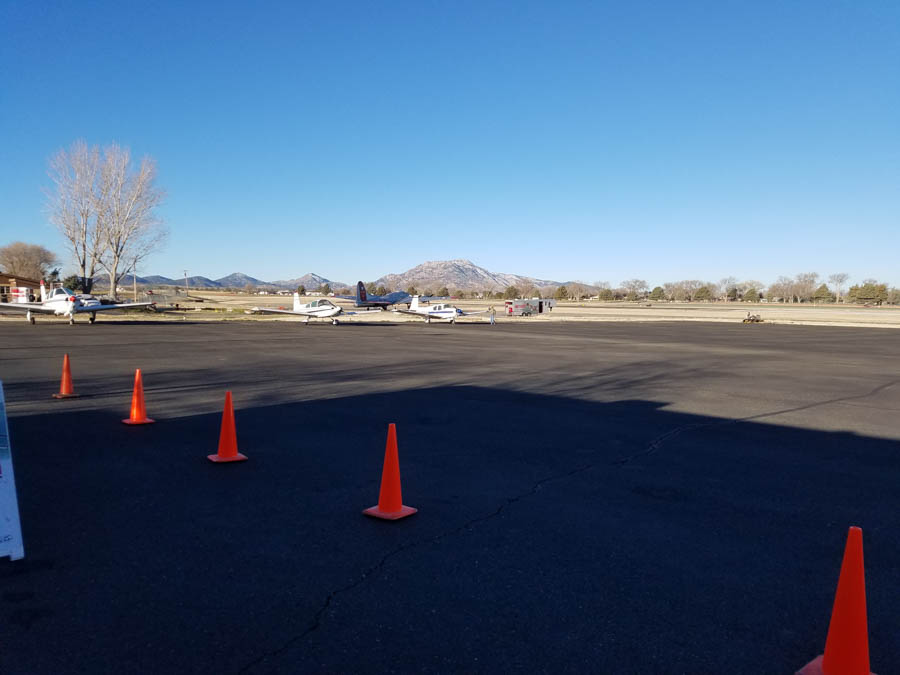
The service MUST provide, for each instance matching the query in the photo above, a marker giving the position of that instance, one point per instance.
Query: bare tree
(636, 286)
(725, 285)
(805, 285)
(838, 280)
(72, 205)
(577, 290)
(126, 200)
(26, 260)
(750, 284)
(783, 288)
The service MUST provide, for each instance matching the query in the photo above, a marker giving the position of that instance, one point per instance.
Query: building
(19, 289)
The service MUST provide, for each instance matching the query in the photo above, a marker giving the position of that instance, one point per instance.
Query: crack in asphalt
(677, 431)
(652, 447)
(317, 618)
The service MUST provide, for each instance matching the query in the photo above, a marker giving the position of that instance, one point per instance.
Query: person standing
(493, 315)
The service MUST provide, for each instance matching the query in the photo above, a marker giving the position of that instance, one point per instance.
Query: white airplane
(63, 302)
(439, 312)
(322, 308)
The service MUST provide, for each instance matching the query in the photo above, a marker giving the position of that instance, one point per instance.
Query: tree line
(806, 287)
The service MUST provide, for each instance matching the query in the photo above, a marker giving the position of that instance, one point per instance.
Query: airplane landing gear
(93, 317)
(72, 320)
(334, 322)
(30, 317)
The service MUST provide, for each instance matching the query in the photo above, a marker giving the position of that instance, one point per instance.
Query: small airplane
(363, 299)
(322, 308)
(63, 302)
(439, 312)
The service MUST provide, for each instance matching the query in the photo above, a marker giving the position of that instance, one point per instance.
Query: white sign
(10, 529)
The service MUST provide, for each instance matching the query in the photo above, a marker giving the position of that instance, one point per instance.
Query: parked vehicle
(528, 306)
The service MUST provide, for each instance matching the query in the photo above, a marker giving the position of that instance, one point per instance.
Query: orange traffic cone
(228, 451)
(65, 385)
(847, 644)
(138, 412)
(390, 499)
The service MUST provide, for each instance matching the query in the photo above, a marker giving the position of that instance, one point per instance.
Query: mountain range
(463, 275)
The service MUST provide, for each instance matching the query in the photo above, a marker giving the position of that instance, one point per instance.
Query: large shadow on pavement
(553, 535)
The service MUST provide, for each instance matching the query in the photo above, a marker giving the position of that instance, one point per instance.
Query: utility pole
(185, 284)
(134, 278)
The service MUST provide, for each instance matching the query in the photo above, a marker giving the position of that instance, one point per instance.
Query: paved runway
(628, 498)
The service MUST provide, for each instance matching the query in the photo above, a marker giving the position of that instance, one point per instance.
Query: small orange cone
(390, 499)
(138, 412)
(228, 451)
(65, 385)
(847, 644)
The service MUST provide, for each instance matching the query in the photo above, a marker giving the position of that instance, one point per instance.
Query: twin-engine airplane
(440, 312)
(363, 299)
(63, 302)
(322, 308)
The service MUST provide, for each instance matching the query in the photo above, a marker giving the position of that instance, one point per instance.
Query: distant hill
(157, 281)
(310, 281)
(463, 275)
(240, 280)
(102, 281)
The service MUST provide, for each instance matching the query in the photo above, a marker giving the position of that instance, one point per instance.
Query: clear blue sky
(570, 140)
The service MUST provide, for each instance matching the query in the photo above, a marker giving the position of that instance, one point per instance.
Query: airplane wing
(105, 308)
(409, 311)
(26, 307)
(365, 311)
(267, 310)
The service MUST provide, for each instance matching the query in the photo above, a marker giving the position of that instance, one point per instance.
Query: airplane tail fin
(360, 292)
(414, 305)
(43, 291)
(296, 302)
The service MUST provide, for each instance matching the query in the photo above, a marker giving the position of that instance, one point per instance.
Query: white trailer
(528, 306)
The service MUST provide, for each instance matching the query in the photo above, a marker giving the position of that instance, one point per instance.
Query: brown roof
(7, 279)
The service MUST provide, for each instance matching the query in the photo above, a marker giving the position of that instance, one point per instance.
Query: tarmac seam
(677, 431)
(318, 617)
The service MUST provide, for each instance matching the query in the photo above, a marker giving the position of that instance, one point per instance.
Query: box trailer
(528, 306)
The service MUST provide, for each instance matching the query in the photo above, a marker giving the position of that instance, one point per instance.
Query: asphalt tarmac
(593, 497)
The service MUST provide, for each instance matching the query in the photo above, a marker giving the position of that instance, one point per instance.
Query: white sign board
(10, 529)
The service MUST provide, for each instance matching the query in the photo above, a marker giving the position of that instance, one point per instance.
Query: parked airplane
(322, 308)
(439, 312)
(363, 299)
(63, 302)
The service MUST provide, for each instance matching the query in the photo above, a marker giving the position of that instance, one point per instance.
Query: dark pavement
(593, 497)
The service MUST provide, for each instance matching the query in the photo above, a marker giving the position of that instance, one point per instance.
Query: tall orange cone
(847, 644)
(138, 412)
(390, 499)
(65, 385)
(228, 451)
